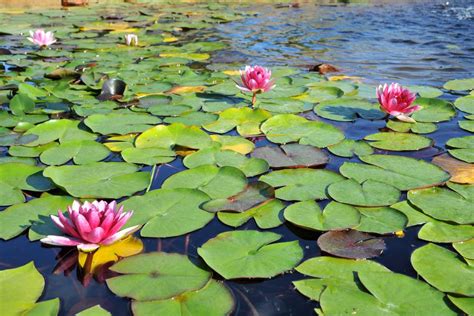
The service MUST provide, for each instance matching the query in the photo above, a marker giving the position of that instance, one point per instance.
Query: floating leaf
(368, 193)
(250, 254)
(246, 120)
(398, 141)
(80, 151)
(460, 84)
(235, 143)
(216, 182)
(426, 91)
(285, 128)
(402, 172)
(348, 148)
(433, 111)
(466, 304)
(156, 275)
(437, 231)
(148, 156)
(62, 130)
(461, 172)
(253, 194)
(308, 214)
(301, 184)
(120, 123)
(291, 156)
(465, 104)
(267, 215)
(444, 269)
(214, 299)
(417, 127)
(381, 220)
(466, 148)
(351, 244)
(465, 248)
(415, 217)
(348, 109)
(95, 310)
(99, 179)
(21, 103)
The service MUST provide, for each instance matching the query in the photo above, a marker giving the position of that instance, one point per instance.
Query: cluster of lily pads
(94, 118)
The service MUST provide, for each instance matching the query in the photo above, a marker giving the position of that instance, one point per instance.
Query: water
(424, 43)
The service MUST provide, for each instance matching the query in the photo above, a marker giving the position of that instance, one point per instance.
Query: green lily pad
(285, 128)
(465, 104)
(426, 91)
(99, 179)
(95, 310)
(8, 120)
(301, 184)
(444, 204)
(80, 151)
(214, 299)
(156, 275)
(444, 269)
(464, 148)
(168, 136)
(348, 148)
(192, 118)
(414, 215)
(15, 177)
(433, 111)
(253, 194)
(348, 109)
(246, 120)
(62, 130)
(398, 141)
(218, 183)
(148, 156)
(19, 217)
(403, 173)
(466, 125)
(222, 158)
(351, 244)
(381, 220)
(438, 231)
(417, 127)
(250, 254)
(291, 156)
(308, 214)
(466, 304)
(460, 84)
(20, 288)
(21, 104)
(266, 215)
(24, 151)
(120, 123)
(387, 293)
(465, 248)
(368, 193)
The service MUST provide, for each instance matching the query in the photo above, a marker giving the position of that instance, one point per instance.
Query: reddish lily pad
(351, 244)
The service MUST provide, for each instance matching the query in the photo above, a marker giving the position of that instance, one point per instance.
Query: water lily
(397, 101)
(131, 40)
(256, 79)
(42, 38)
(91, 225)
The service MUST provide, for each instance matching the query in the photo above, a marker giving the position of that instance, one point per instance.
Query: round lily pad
(460, 84)
(417, 127)
(250, 254)
(148, 156)
(80, 151)
(348, 109)
(398, 141)
(464, 148)
(351, 244)
(438, 231)
(120, 123)
(368, 193)
(465, 104)
(267, 215)
(291, 156)
(62, 130)
(444, 269)
(433, 111)
(246, 120)
(348, 148)
(156, 275)
(381, 220)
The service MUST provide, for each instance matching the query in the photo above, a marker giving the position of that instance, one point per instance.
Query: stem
(254, 99)
(152, 177)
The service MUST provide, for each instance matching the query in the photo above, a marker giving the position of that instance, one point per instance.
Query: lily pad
(62, 130)
(291, 156)
(464, 148)
(80, 151)
(466, 304)
(433, 111)
(246, 120)
(214, 299)
(168, 212)
(417, 127)
(348, 109)
(253, 194)
(381, 220)
(95, 310)
(148, 156)
(301, 184)
(438, 231)
(461, 172)
(403, 173)
(465, 104)
(444, 269)
(99, 179)
(398, 141)
(250, 254)
(308, 214)
(285, 128)
(348, 148)
(267, 215)
(368, 193)
(154, 276)
(351, 244)
(218, 183)
(460, 84)
(120, 123)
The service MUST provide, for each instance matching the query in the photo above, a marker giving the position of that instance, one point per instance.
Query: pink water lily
(397, 101)
(131, 40)
(256, 79)
(91, 225)
(42, 38)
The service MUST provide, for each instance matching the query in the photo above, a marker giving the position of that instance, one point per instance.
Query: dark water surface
(423, 43)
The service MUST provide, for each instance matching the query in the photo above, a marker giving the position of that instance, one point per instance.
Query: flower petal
(121, 234)
(60, 241)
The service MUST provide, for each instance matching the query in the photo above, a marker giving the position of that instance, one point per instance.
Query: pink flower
(91, 225)
(131, 40)
(256, 79)
(42, 38)
(397, 101)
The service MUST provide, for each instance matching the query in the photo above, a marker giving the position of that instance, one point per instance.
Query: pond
(312, 199)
